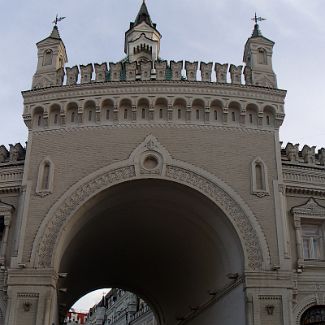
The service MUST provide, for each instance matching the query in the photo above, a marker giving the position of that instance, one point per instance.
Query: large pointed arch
(151, 160)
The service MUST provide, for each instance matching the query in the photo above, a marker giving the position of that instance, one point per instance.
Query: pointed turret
(142, 40)
(52, 57)
(258, 58)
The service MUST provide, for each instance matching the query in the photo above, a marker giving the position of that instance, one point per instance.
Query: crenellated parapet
(306, 156)
(11, 167)
(153, 70)
(13, 155)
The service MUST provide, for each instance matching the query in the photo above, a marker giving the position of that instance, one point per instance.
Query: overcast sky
(203, 30)
(207, 30)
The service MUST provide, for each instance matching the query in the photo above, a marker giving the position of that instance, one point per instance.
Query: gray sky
(206, 30)
(203, 30)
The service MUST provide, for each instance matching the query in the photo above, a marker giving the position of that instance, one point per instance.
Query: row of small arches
(251, 114)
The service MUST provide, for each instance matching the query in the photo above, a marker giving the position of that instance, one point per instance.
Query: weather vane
(57, 19)
(257, 19)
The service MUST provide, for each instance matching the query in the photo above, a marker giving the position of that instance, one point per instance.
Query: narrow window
(311, 241)
(233, 116)
(143, 113)
(90, 115)
(39, 120)
(47, 59)
(56, 119)
(107, 114)
(216, 115)
(267, 119)
(125, 114)
(197, 114)
(46, 176)
(251, 118)
(72, 117)
(259, 177)
(160, 113)
(179, 114)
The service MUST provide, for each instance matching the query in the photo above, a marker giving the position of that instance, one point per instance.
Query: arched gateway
(167, 183)
(162, 228)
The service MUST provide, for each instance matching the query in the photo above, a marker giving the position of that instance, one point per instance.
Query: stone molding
(158, 88)
(302, 306)
(253, 240)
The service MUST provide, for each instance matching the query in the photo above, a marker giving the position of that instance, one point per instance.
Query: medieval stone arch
(151, 160)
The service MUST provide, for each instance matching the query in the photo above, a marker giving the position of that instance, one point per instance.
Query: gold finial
(57, 19)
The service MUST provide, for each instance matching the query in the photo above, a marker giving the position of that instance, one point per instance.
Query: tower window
(46, 176)
(261, 56)
(48, 56)
(267, 119)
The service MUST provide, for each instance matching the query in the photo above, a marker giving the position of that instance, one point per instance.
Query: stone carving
(130, 71)
(179, 174)
(235, 74)
(4, 154)
(206, 71)
(145, 68)
(86, 73)
(311, 209)
(248, 76)
(101, 72)
(115, 71)
(292, 151)
(72, 75)
(176, 69)
(161, 67)
(221, 72)
(191, 70)
(60, 76)
(27, 305)
(321, 156)
(308, 153)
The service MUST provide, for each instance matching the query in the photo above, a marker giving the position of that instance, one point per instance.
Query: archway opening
(314, 316)
(161, 240)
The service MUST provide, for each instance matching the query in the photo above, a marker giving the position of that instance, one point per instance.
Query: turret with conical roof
(142, 40)
(52, 57)
(258, 58)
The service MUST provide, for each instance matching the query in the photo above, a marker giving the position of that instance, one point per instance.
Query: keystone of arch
(151, 160)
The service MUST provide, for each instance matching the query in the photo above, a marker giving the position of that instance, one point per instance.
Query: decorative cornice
(159, 88)
(304, 191)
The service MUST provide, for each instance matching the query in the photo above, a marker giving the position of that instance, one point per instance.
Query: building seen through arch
(166, 179)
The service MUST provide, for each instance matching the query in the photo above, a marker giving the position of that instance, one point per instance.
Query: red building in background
(74, 317)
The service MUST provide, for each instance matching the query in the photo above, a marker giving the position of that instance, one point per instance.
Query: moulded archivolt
(162, 166)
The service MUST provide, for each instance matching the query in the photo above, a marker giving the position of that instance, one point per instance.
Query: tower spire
(257, 32)
(143, 15)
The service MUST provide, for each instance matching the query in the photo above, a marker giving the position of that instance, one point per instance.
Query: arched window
(48, 56)
(45, 177)
(260, 186)
(261, 56)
